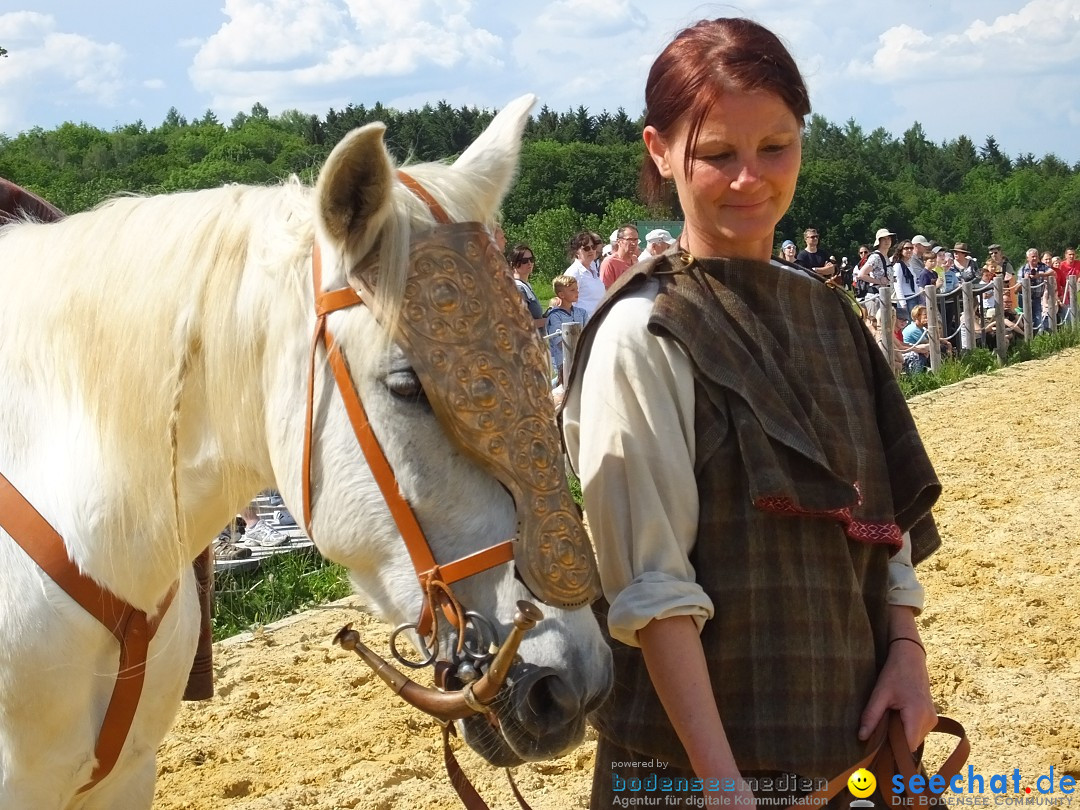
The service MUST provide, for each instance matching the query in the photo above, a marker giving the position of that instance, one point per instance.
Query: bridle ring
(400, 657)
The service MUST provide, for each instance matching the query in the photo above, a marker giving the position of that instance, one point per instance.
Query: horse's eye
(404, 384)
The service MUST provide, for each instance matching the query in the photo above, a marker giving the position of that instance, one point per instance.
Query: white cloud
(274, 48)
(575, 19)
(17, 27)
(1007, 67)
(44, 62)
(1043, 36)
(268, 32)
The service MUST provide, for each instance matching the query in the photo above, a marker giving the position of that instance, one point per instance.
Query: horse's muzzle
(474, 698)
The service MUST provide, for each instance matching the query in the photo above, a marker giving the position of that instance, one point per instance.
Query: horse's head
(452, 380)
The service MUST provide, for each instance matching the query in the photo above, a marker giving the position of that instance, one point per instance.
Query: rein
(132, 628)
(435, 579)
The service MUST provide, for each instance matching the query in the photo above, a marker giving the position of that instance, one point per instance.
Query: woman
(585, 271)
(861, 287)
(788, 252)
(875, 270)
(522, 262)
(711, 440)
(903, 278)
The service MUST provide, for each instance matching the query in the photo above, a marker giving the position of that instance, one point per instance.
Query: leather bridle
(435, 578)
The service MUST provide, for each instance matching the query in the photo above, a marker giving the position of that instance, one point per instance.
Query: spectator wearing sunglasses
(590, 287)
(814, 257)
(522, 262)
(623, 256)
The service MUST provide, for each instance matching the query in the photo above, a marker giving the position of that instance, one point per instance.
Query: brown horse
(18, 203)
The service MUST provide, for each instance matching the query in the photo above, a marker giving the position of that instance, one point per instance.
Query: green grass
(283, 585)
(575, 487)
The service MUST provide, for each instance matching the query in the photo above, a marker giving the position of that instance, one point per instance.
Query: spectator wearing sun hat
(875, 270)
(965, 264)
(656, 242)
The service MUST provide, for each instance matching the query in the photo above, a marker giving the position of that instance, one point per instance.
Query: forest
(579, 170)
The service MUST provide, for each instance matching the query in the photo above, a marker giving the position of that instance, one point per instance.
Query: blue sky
(1007, 68)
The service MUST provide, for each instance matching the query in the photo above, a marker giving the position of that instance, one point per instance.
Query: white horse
(153, 365)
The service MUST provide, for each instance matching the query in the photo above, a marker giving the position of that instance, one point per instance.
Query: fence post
(886, 323)
(967, 334)
(1070, 296)
(933, 327)
(1028, 303)
(570, 332)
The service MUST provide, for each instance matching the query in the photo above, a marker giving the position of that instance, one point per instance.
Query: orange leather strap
(477, 561)
(437, 210)
(131, 627)
(888, 746)
(380, 468)
(416, 542)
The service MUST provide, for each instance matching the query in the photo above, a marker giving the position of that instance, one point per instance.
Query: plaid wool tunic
(809, 470)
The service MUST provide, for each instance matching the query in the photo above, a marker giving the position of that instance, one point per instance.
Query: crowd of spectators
(908, 266)
(594, 267)
(905, 266)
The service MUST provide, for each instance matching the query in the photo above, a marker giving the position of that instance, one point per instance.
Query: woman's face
(523, 267)
(789, 253)
(743, 173)
(585, 254)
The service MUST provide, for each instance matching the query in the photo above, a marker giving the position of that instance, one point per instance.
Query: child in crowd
(566, 295)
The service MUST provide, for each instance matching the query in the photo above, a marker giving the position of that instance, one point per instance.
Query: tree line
(579, 172)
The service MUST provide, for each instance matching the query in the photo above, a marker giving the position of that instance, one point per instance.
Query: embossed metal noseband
(483, 369)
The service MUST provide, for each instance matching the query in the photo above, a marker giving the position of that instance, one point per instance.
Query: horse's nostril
(544, 702)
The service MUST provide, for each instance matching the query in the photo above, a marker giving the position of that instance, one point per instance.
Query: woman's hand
(903, 684)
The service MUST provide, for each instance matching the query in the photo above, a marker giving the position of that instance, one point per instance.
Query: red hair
(703, 62)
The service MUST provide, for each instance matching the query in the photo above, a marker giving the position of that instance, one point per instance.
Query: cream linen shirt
(635, 458)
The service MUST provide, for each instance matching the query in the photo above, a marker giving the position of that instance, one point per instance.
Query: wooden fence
(956, 316)
(962, 310)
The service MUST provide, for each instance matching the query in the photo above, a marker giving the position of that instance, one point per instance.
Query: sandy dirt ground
(298, 723)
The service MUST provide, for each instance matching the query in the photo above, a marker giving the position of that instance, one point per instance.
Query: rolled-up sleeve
(629, 429)
(904, 586)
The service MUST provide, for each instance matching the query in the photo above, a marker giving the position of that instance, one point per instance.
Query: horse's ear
(492, 158)
(354, 189)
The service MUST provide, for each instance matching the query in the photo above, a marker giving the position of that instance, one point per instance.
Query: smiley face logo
(861, 783)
